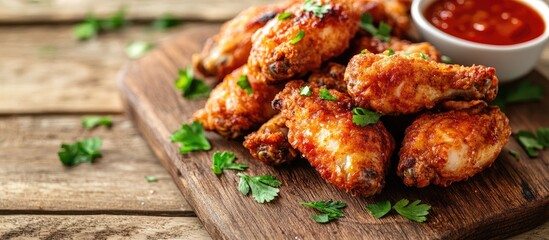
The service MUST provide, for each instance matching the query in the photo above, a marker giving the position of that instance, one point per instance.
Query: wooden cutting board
(506, 199)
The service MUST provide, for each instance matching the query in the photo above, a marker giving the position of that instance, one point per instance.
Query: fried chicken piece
(279, 54)
(231, 111)
(351, 157)
(331, 76)
(229, 49)
(442, 148)
(270, 143)
(401, 84)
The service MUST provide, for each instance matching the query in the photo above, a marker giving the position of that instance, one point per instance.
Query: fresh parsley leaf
(305, 91)
(515, 154)
(138, 49)
(414, 211)
(284, 15)
(164, 22)
(151, 179)
(316, 8)
(116, 21)
(225, 160)
(87, 29)
(245, 84)
(525, 91)
(191, 87)
(364, 51)
(91, 122)
(363, 117)
(529, 142)
(330, 210)
(264, 187)
(325, 95)
(424, 56)
(383, 32)
(390, 52)
(542, 134)
(379, 209)
(78, 152)
(446, 59)
(298, 37)
(192, 137)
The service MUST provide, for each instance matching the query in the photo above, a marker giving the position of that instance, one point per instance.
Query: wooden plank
(32, 179)
(60, 75)
(53, 11)
(509, 198)
(100, 227)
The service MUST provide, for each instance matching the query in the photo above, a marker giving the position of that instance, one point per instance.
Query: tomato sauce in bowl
(495, 22)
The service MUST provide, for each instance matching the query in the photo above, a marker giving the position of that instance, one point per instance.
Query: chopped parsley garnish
(91, 122)
(78, 152)
(325, 95)
(526, 91)
(414, 211)
(191, 87)
(424, 56)
(91, 26)
(383, 32)
(225, 160)
(390, 52)
(298, 37)
(305, 91)
(284, 15)
(316, 8)
(446, 59)
(330, 210)
(264, 187)
(363, 117)
(192, 137)
(533, 143)
(151, 179)
(164, 22)
(379, 209)
(116, 21)
(245, 84)
(137, 49)
(515, 154)
(364, 51)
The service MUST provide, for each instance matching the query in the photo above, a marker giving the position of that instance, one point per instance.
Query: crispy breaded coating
(229, 49)
(270, 143)
(231, 111)
(400, 46)
(351, 157)
(442, 148)
(278, 54)
(330, 76)
(401, 84)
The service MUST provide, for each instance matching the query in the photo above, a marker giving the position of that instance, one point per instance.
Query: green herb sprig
(330, 210)
(414, 211)
(87, 150)
(382, 32)
(191, 87)
(192, 137)
(225, 160)
(264, 188)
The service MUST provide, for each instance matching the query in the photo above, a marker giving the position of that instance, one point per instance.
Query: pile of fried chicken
(454, 134)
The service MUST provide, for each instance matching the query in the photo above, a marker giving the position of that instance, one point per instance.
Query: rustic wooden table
(48, 81)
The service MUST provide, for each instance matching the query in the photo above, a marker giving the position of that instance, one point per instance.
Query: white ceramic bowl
(510, 61)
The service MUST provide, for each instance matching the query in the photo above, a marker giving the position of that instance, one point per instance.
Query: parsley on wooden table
(330, 210)
(191, 87)
(298, 37)
(192, 137)
(382, 32)
(526, 91)
(363, 117)
(87, 150)
(316, 8)
(225, 160)
(164, 22)
(533, 142)
(325, 95)
(90, 122)
(151, 179)
(137, 49)
(264, 188)
(92, 26)
(414, 211)
(244, 83)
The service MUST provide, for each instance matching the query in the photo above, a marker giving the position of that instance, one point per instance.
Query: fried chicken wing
(232, 111)
(401, 84)
(229, 49)
(290, 48)
(442, 148)
(270, 143)
(331, 76)
(351, 157)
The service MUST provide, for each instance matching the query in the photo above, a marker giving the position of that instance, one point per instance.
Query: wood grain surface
(508, 198)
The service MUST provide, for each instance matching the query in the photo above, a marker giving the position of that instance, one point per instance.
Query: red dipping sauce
(496, 22)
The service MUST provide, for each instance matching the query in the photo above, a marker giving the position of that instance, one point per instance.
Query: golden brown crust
(401, 84)
(442, 148)
(330, 76)
(278, 60)
(351, 157)
(270, 143)
(231, 111)
(229, 49)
